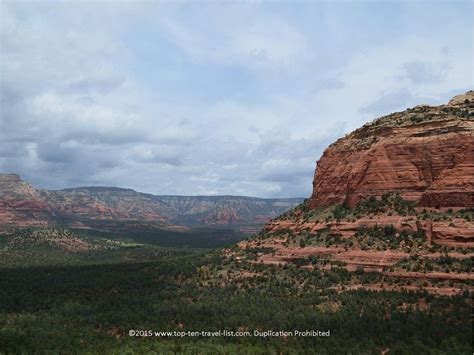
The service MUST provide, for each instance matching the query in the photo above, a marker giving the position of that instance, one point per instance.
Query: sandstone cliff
(426, 153)
(394, 197)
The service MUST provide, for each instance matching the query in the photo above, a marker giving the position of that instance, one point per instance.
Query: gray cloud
(419, 72)
(77, 108)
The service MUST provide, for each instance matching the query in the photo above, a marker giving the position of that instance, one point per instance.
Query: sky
(212, 98)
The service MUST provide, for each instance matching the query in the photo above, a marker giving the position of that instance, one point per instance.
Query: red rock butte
(425, 153)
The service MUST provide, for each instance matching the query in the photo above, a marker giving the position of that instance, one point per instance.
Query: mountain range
(23, 205)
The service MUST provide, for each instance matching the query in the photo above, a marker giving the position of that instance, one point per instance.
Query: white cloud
(377, 81)
(77, 109)
(257, 41)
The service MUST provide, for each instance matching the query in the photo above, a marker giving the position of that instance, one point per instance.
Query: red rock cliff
(426, 153)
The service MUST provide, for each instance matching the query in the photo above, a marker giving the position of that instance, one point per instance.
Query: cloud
(258, 41)
(421, 72)
(209, 98)
(380, 80)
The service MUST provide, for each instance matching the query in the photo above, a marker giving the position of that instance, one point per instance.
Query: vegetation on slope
(92, 308)
(69, 299)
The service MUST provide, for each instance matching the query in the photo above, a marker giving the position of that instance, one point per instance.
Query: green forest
(88, 304)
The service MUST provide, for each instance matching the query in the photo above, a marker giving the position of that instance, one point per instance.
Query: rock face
(12, 187)
(394, 197)
(20, 204)
(23, 205)
(426, 153)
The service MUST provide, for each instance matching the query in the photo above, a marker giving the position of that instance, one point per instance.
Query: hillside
(394, 198)
(23, 205)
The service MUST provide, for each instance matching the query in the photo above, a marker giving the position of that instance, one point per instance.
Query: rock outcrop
(394, 197)
(20, 204)
(12, 187)
(426, 153)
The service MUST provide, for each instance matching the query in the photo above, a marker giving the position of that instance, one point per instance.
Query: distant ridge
(23, 205)
(112, 188)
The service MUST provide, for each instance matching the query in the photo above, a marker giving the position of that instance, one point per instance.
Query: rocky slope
(23, 205)
(394, 197)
